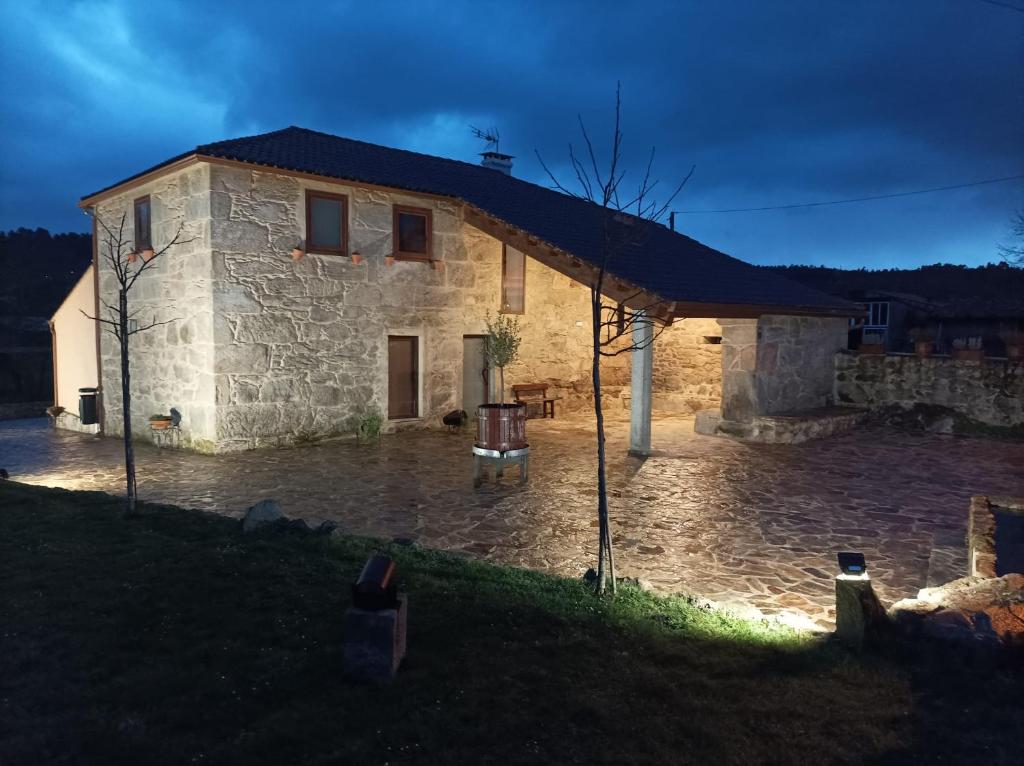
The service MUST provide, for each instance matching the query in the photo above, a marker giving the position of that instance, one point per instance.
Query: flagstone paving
(749, 526)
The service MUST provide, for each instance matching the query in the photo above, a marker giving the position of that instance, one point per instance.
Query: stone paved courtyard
(749, 526)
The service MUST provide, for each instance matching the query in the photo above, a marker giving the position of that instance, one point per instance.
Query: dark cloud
(774, 102)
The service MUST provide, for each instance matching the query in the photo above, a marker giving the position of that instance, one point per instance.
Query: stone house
(404, 257)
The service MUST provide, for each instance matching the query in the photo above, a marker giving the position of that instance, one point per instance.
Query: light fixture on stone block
(852, 565)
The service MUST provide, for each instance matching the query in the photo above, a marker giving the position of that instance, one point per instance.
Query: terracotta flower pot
(133, 257)
(968, 354)
(148, 254)
(923, 348)
(357, 258)
(389, 260)
(437, 265)
(160, 425)
(297, 253)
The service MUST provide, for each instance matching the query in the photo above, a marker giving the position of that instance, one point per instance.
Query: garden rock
(971, 610)
(263, 513)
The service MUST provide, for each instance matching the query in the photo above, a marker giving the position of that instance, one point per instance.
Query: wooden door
(403, 377)
(474, 373)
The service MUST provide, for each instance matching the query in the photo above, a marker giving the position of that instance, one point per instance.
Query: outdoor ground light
(852, 565)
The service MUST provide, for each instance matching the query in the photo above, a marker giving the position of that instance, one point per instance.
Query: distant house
(897, 317)
(402, 258)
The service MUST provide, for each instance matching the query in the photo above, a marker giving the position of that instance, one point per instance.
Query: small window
(878, 314)
(143, 225)
(513, 281)
(326, 223)
(412, 233)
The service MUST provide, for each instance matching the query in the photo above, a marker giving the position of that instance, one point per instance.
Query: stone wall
(687, 367)
(778, 364)
(795, 361)
(989, 392)
(172, 364)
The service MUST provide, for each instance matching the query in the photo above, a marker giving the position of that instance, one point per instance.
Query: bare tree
(1013, 253)
(127, 263)
(625, 219)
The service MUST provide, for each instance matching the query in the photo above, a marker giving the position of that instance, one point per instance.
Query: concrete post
(640, 387)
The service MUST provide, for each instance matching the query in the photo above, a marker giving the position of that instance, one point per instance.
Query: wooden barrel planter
(501, 427)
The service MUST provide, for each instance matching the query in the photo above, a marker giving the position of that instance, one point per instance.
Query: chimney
(497, 161)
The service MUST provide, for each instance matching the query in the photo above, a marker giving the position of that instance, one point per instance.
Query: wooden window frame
(501, 297)
(312, 194)
(140, 246)
(427, 213)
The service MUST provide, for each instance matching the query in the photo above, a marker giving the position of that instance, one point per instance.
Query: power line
(1004, 5)
(856, 199)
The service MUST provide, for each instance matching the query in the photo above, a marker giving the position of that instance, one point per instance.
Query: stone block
(375, 642)
(860, 617)
(263, 513)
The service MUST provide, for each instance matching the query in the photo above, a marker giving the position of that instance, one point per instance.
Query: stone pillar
(739, 370)
(640, 387)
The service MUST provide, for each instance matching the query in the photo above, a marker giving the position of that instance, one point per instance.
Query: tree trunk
(126, 401)
(605, 561)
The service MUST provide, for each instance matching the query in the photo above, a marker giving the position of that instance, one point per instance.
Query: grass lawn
(174, 639)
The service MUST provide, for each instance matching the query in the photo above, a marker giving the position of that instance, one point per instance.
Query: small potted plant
(1014, 345)
(148, 254)
(298, 252)
(968, 349)
(357, 257)
(437, 265)
(872, 343)
(369, 426)
(924, 341)
(160, 422)
(389, 260)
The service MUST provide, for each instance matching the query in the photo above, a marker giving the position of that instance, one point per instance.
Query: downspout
(53, 358)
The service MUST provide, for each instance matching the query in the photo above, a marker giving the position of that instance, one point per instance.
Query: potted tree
(501, 426)
(1014, 345)
(924, 341)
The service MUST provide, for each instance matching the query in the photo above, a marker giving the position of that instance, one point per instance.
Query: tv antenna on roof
(491, 136)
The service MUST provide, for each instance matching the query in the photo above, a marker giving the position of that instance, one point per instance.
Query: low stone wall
(990, 392)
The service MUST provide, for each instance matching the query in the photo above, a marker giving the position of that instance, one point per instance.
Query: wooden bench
(531, 393)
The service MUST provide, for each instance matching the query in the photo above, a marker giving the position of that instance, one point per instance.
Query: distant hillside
(39, 270)
(940, 281)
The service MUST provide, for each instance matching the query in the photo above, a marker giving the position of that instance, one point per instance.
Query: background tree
(1013, 253)
(127, 263)
(626, 218)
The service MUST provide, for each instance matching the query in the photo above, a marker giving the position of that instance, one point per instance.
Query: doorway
(474, 373)
(403, 377)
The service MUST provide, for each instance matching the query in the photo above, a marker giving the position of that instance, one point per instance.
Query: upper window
(143, 226)
(412, 233)
(326, 223)
(513, 281)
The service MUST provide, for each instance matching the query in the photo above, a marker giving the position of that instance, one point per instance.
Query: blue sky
(775, 103)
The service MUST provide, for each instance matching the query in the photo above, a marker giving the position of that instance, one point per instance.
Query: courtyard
(751, 527)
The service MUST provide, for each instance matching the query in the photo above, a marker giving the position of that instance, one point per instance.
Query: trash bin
(87, 409)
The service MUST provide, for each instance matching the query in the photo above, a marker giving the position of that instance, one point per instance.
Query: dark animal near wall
(455, 419)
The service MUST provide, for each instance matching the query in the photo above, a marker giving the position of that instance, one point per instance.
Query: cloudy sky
(775, 103)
